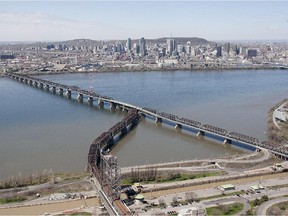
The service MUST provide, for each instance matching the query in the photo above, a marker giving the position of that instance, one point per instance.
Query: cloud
(22, 18)
(273, 27)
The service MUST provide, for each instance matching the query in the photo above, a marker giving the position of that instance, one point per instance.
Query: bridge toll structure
(68, 93)
(80, 97)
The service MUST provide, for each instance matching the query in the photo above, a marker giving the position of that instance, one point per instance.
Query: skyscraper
(219, 51)
(129, 44)
(142, 44)
(170, 46)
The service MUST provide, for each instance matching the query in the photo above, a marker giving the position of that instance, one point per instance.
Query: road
(262, 209)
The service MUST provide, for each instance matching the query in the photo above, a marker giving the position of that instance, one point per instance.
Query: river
(39, 130)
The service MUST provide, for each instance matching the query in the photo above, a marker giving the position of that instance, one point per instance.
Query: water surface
(39, 130)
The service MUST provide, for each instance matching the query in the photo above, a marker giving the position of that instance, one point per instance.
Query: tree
(174, 201)
(191, 197)
(162, 202)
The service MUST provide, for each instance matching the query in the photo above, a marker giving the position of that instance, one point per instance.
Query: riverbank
(277, 131)
(147, 68)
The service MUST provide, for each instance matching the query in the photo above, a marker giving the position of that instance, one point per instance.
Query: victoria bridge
(104, 167)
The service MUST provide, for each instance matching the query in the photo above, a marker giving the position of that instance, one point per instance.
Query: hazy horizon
(97, 20)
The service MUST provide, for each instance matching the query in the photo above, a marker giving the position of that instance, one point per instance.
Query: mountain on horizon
(91, 42)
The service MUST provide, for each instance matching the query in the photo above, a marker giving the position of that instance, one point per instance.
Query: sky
(104, 20)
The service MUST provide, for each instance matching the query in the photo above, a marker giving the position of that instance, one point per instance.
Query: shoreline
(146, 69)
(276, 133)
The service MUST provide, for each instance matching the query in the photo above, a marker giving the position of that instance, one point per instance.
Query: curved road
(240, 159)
(261, 210)
(229, 200)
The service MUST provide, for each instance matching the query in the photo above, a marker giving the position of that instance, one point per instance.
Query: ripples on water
(39, 130)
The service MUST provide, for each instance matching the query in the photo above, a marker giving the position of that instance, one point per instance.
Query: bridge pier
(68, 94)
(60, 91)
(46, 87)
(25, 81)
(112, 105)
(30, 82)
(200, 134)
(53, 89)
(40, 85)
(35, 83)
(124, 109)
(178, 126)
(80, 97)
(100, 103)
(158, 120)
(227, 141)
(90, 101)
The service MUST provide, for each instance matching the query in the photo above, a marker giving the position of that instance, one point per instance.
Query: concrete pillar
(25, 80)
(35, 83)
(46, 87)
(90, 101)
(30, 82)
(112, 105)
(178, 126)
(158, 120)
(68, 93)
(60, 91)
(100, 103)
(80, 97)
(40, 85)
(227, 141)
(201, 133)
(124, 109)
(53, 89)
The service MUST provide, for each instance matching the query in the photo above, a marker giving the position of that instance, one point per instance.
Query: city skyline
(97, 20)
